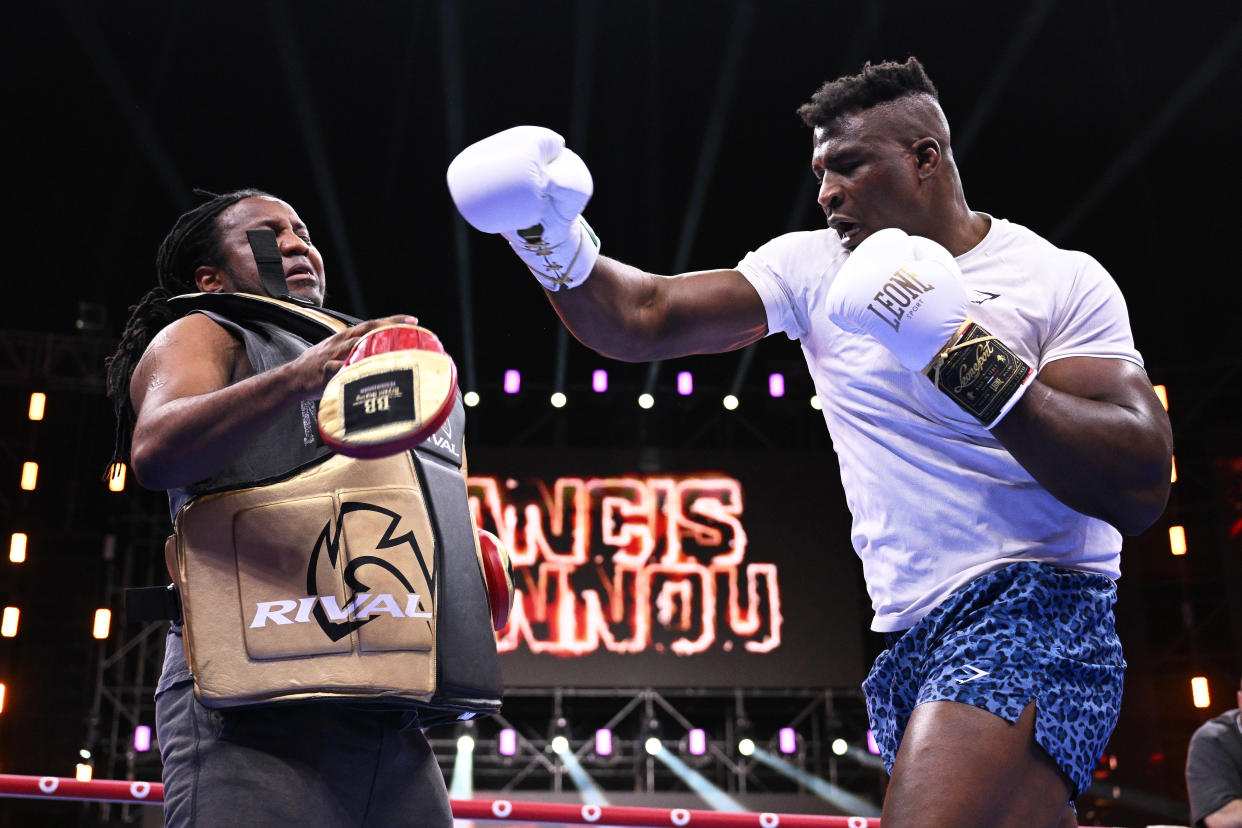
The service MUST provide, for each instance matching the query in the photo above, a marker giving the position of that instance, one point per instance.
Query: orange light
(1163, 394)
(1177, 540)
(17, 547)
(1, 697)
(83, 772)
(1173, 475)
(1199, 691)
(30, 475)
(103, 620)
(38, 402)
(116, 478)
(8, 622)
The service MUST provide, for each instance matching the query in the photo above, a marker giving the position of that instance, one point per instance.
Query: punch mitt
(396, 389)
(498, 573)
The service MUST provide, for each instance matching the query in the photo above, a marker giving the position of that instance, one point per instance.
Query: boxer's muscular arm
(1093, 433)
(627, 314)
(196, 408)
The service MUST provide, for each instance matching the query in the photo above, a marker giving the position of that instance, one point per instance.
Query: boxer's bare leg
(960, 766)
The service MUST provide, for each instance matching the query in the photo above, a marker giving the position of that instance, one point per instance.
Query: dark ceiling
(1109, 126)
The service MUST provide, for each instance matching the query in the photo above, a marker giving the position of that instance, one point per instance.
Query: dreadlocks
(193, 241)
(875, 84)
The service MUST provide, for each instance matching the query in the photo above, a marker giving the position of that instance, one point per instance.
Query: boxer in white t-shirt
(995, 428)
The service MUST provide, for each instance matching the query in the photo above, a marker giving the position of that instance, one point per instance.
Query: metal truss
(818, 716)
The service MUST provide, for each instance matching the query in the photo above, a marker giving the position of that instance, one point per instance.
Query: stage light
(591, 792)
(730, 402)
(788, 740)
(470, 398)
(461, 783)
(645, 400)
(38, 402)
(746, 747)
(873, 747)
(2, 688)
(1199, 692)
(845, 801)
(696, 741)
(142, 738)
(30, 475)
(776, 385)
(685, 383)
(84, 753)
(558, 400)
(513, 381)
(506, 742)
(712, 795)
(17, 547)
(116, 477)
(653, 745)
(840, 746)
(1173, 469)
(1163, 394)
(599, 380)
(103, 621)
(1177, 540)
(816, 404)
(603, 742)
(83, 772)
(8, 623)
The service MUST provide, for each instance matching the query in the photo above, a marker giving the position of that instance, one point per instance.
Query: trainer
(312, 636)
(995, 429)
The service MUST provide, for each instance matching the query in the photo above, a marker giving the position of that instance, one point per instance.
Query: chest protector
(338, 578)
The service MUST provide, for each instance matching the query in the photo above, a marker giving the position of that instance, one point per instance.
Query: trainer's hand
(526, 185)
(310, 372)
(907, 292)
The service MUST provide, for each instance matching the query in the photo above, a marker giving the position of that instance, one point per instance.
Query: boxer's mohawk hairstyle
(876, 84)
(194, 240)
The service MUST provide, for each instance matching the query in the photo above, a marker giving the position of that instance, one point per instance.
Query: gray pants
(323, 764)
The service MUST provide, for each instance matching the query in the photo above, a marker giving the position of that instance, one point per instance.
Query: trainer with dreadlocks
(994, 426)
(331, 595)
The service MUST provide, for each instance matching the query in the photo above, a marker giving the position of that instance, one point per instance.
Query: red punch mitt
(498, 573)
(396, 389)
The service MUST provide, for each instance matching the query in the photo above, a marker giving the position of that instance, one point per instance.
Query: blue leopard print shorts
(1028, 631)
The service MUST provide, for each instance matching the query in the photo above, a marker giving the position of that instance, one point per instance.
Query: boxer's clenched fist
(526, 185)
(907, 292)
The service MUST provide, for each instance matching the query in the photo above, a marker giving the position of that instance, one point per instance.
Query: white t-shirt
(936, 500)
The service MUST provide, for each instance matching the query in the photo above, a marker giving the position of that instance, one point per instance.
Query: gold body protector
(340, 579)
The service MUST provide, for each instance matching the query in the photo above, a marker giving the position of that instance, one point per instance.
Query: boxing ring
(486, 810)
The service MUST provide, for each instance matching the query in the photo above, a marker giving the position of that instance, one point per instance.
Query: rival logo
(328, 546)
(899, 293)
(362, 605)
(445, 442)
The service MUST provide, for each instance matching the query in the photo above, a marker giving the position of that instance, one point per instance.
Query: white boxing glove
(526, 185)
(907, 292)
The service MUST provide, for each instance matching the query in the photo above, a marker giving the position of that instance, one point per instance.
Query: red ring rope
(501, 810)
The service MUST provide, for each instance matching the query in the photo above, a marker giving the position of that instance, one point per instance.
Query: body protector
(309, 575)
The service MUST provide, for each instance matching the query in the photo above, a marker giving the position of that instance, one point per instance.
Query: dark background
(1107, 126)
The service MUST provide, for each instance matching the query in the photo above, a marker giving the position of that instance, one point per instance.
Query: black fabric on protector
(243, 307)
(469, 677)
(152, 604)
(271, 263)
